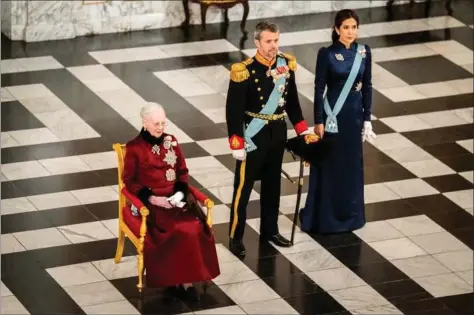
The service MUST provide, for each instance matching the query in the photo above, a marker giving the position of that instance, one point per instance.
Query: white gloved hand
(176, 200)
(239, 154)
(306, 132)
(368, 133)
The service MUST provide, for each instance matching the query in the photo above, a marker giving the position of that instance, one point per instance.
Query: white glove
(306, 132)
(367, 132)
(176, 200)
(239, 154)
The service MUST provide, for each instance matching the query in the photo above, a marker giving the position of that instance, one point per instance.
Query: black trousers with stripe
(263, 164)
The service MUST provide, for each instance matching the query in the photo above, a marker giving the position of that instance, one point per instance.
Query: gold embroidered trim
(291, 61)
(239, 72)
(263, 61)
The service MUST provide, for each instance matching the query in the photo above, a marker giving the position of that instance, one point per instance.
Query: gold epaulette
(239, 71)
(291, 61)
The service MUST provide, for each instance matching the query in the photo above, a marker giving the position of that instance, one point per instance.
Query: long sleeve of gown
(367, 85)
(320, 81)
(130, 175)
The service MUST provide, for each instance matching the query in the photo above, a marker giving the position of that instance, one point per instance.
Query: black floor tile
(373, 157)
(380, 128)
(316, 303)
(104, 210)
(356, 255)
(421, 306)
(440, 135)
(433, 204)
(387, 210)
(401, 291)
(289, 285)
(26, 221)
(459, 163)
(386, 173)
(336, 240)
(462, 304)
(192, 150)
(272, 267)
(16, 117)
(447, 183)
(443, 150)
(465, 235)
(55, 150)
(453, 220)
(428, 69)
(213, 297)
(379, 273)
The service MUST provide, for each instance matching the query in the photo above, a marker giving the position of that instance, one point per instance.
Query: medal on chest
(278, 72)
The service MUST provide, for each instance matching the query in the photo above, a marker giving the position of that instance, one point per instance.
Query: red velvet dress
(178, 248)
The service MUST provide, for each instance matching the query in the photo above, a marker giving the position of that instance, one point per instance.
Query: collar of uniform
(145, 135)
(263, 61)
(353, 45)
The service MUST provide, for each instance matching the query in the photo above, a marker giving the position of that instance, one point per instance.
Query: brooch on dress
(363, 52)
(155, 149)
(170, 175)
(339, 57)
(358, 86)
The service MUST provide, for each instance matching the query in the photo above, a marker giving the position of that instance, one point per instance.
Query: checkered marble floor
(63, 105)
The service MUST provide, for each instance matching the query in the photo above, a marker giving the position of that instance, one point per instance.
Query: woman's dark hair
(341, 16)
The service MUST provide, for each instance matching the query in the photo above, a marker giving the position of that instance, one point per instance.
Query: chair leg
(120, 246)
(141, 269)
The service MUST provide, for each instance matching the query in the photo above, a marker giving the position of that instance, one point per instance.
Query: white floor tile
(8, 141)
(249, 291)
(220, 214)
(440, 242)
(466, 276)
(94, 293)
(288, 203)
(86, 232)
(211, 105)
(10, 304)
(29, 91)
(95, 195)
(444, 285)
(415, 225)
(65, 165)
(5, 95)
(398, 248)
(314, 260)
(436, 89)
(463, 85)
(465, 113)
(100, 161)
(377, 231)
(12, 66)
(4, 290)
(359, 297)
(405, 123)
(41, 105)
(228, 310)
(467, 175)
(16, 205)
(408, 154)
(403, 94)
(420, 266)
(23, 170)
(224, 193)
(39, 63)
(378, 193)
(121, 307)
(184, 82)
(216, 77)
(233, 272)
(209, 172)
(76, 274)
(336, 279)
(390, 141)
(463, 198)
(42, 238)
(411, 188)
(125, 269)
(215, 146)
(456, 261)
(466, 144)
(377, 310)
(428, 168)
(33, 136)
(53, 200)
(10, 244)
(277, 306)
(442, 119)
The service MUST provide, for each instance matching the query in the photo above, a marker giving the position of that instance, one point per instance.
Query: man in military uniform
(261, 90)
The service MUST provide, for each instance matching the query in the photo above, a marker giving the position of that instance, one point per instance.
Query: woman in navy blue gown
(335, 201)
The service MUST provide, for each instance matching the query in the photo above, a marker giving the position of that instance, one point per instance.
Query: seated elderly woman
(181, 249)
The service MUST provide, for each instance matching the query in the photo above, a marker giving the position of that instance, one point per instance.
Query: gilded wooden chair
(134, 227)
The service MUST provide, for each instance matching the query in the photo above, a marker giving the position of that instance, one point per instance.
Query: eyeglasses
(160, 124)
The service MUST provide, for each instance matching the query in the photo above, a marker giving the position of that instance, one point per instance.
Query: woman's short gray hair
(150, 107)
(265, 26)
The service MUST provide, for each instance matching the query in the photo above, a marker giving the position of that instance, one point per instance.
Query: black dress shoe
(237, 247)
(189, 294)
(278, 240)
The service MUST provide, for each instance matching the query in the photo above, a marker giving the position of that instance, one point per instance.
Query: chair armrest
(203, 200)
(135, 201)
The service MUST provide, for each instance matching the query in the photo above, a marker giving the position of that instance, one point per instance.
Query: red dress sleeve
(130, 175)
(182, 172)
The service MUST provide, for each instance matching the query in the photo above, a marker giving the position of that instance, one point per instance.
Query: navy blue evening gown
(335, 201)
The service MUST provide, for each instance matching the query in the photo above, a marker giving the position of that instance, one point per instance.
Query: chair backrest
(121, 150)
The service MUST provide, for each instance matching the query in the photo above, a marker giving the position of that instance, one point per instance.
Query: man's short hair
(150, 107)
(265, 26)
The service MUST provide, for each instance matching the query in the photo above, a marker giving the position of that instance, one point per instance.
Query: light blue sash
(256, 124)
(331, 121)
